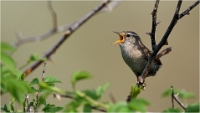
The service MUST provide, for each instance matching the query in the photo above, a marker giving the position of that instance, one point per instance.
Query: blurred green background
(89, 48)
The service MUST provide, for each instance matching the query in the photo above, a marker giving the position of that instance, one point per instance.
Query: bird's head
(126, 37)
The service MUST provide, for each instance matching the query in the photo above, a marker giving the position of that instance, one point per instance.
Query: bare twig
(37, 102)
(110, 6)
(71, 97)
(164, 52)
(112, 98)
(43, 72)
(174, 20)
(26, 104)
(172, 96)
(175, 97)
(186, 12)
(154, 24)
(53, 13)
(70, 30)
(56, 29)
(21, 40)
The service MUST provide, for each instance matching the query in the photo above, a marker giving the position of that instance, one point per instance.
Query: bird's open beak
(121, 38)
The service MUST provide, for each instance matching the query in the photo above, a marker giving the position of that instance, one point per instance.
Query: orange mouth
(121, 38)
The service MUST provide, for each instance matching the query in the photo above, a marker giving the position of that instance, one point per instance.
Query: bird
(135, 54)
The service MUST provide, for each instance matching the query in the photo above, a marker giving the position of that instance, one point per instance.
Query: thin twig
(164, 52)
(43, 72)
(27, 105)
(162, 42)
(175, 97)
(21, 40)
(70, 30)
(112, 98)
(172, 96)
(56, 29)
(154, 24)
(186, 12)
(53, 14)
(110, 6)
(37, 102)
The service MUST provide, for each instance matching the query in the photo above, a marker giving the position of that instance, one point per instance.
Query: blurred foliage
(181, 93)
(81, 101)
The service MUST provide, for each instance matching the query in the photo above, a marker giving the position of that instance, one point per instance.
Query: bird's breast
(133, 58)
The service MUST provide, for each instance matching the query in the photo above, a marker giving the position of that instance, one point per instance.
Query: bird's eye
(128, 35)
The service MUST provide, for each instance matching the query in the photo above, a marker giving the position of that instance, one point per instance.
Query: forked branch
(174, 20)
(69, 31)
(55, 28)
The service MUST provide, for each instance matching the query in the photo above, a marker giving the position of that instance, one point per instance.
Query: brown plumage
(135, 53)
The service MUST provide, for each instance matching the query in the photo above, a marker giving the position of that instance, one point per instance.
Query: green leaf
(87, 108)
(11, 102)
(135, 91)
(5, 108)
(172, 110)
(185, 95)
(92, 93)
(6, 47)
(138, 104)
(9, 69)
(193, 108)
(43, 102)
(34, 81)
(80, 75)
(101, 89)
(181, 93)
(97, 93)
(7, 60)
(35, 57)
(74, 105)
(16, 88)
(119, 107)
(51, 79)
(52, 108)
(168, 92)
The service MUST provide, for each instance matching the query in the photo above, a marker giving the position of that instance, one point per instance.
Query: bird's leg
(141, 81)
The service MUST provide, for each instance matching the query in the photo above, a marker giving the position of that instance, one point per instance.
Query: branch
(43, 72)
(56, 29)
(175, 97)
(174, 20)
(26, 105)
(21, 40)
(71, 97)
(186, 12)
(53, 14)
(70, 30)
(37, 102)
(172, 96)
(110, 6)
(154, 24)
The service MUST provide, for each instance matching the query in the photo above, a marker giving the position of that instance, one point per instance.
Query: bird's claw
(141, 82)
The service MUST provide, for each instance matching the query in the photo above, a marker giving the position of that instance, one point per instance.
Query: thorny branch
(175, 97)
(69, 31)
(56, 29)
(174, 20)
